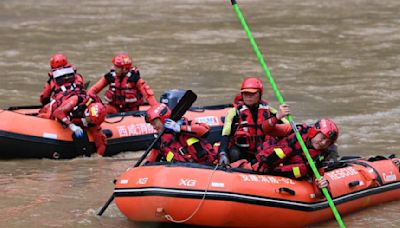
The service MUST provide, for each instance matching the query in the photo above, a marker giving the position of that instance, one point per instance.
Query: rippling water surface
(337, 59)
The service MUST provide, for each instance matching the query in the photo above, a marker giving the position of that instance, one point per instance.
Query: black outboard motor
(172, 97)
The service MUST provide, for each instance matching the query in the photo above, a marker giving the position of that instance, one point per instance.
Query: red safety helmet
(96, 112)
(252, 85)
(326, 127)
(158, 111)
(58, 60)
(123, 61)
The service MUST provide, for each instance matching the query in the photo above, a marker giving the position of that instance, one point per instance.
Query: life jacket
(248, 133)
(51, 89)
(298, 154)
(64, 90)
(123, 91)
(286, 156)
(68, 89)
(65, 93)
(185, 148)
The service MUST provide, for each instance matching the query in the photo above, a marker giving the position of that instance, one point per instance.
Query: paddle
(179, 110)
(281, 101)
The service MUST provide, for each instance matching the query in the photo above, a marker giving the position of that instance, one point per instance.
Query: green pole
(281, 101)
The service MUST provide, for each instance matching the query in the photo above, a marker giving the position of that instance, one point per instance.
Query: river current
(337, 59)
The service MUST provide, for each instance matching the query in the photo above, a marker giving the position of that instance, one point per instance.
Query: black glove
(223, 159)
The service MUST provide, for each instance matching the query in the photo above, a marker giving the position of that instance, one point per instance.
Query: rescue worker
(286, 158)
(63, 81)
(181, 141)
(248, 123)
(126, 89)
(83, 111)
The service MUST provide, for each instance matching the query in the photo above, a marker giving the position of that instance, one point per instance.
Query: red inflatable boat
(24, 135)
(202, 195)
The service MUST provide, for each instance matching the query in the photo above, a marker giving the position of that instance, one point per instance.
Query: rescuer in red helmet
(80, 112)
(63, 81)
(248, 123)
(181, 141)
(286, 158)
(126, 89)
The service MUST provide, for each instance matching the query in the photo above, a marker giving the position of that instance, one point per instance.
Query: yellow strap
(170, 156)
(226, 131)
(296, 172)
(191, 141)
(88, 102)
(279, 152)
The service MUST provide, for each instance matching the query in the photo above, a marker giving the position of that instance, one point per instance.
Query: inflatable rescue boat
(24, 135)
(210, 196)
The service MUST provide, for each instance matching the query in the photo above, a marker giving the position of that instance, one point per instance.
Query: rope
(171, 219)
(109, 122)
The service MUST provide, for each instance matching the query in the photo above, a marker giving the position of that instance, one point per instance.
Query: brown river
(338, 59)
